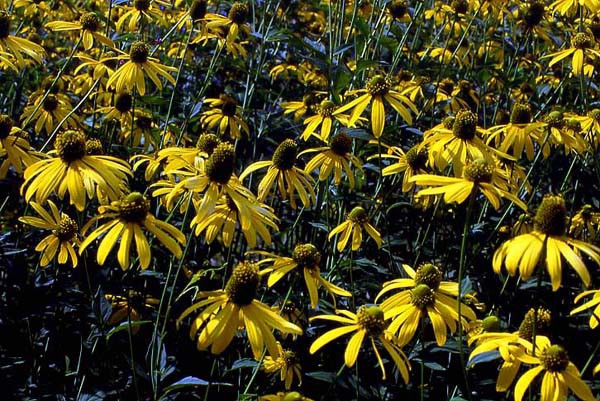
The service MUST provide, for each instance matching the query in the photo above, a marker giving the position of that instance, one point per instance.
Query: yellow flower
(367, 322)
(592, 303)
(512, 347)
(456, 140)
(427, 295)
(15, 45)
(585, 223)
(226, 216)
(225, 311)
(308, 258)
(88, 24)
(281, 396)
(128, 216)
(581, 46)
(519, 134)
(377, 90)
(410, 163)
(283, 174)
(324, 118)
(74, 171)
(559, 374)
(226, 114)
(14, 148)
(63, 238)
(142, 10)
(548, 239)
(287, 364)
(356, 220)
(132, 74)
(477, 174)
(571, 7)
(334, 159)
(234, 22)
(48, 112)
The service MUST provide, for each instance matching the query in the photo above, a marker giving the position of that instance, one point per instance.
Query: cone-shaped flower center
(378, 85)
(422, 296)
(50, 103)
(479, 170)
(221, 163)
(4, 24)
(370, 318)
(491, 324)
(123, 102)
(70, 145)
(284, 157)
(416, 158)
(238, 13)
(326, 108)
(551, 217)
(138, 52)
(358, 215)
(90, 22)
(6, 125)
(521, 114)
(534, 14)
(293, 396)
(341, 144)
(465, 125)
(582, 41)
(460, 6)
(397, 8)
(243, 283)
(67, 229)
(134, 208)
(555, 119)
(542, 323)
(207, 143)
(595, 114)
(141, 5)
(93, 147)
(307, 256)
(198, 9)
(555, 359)
(228, 106)
(430, 275)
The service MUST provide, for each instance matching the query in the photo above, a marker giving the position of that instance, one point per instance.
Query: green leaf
(124, 326)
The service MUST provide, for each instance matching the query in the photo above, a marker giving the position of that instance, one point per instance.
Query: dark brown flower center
(90, 22)
(50, 103)
(285, 155)
(239, 13)
(465, 125)
(123, 102)
(67, 229)
(379, 85)
(534, 14)
(198, 9)
(551, 216)
(358, 215)
(4, 24)
(229, 105)
(93, 147)
(542, 323)
(6, 124)
(341, 144)
(243, 283)
(416, 158)
(138, 53)
(141, 5)
(221, 163)
(582, 41)
(521, 114)
(134, 208)
(397, 8)
(70, 145)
